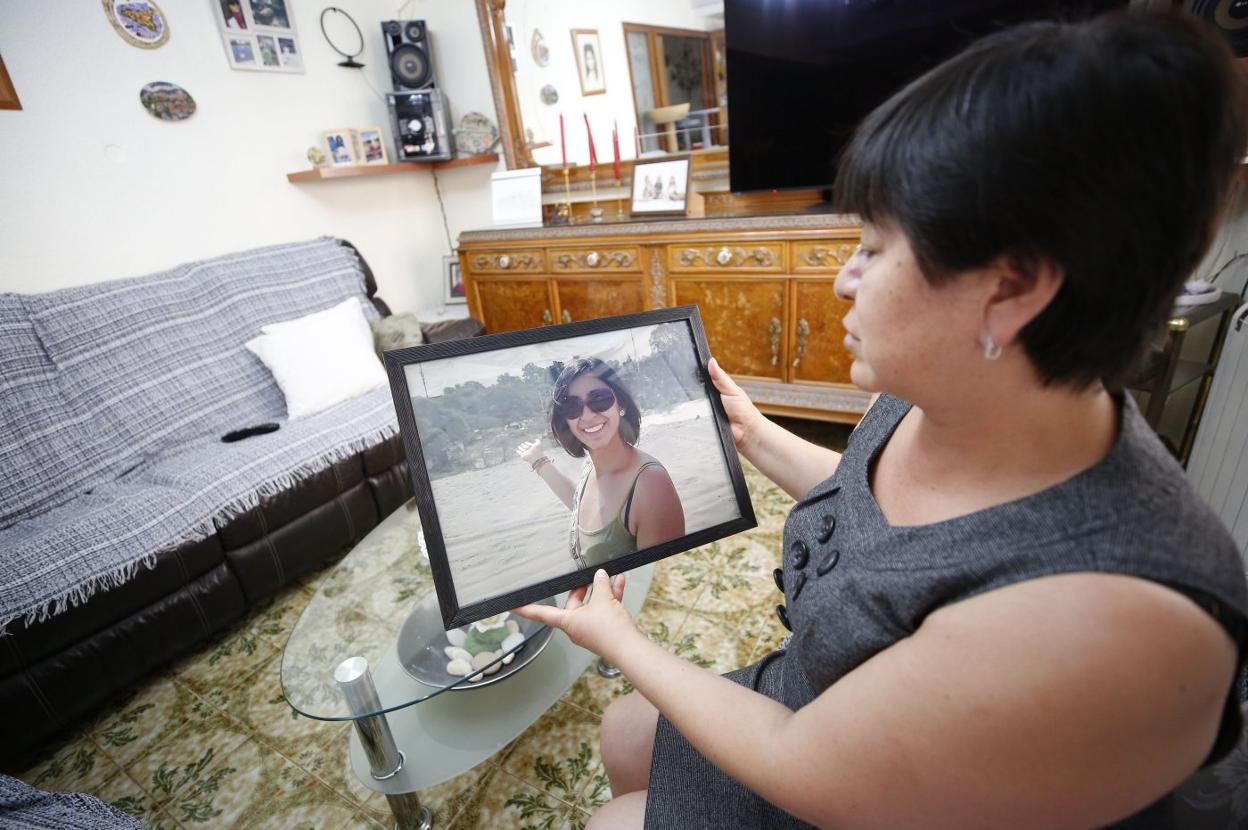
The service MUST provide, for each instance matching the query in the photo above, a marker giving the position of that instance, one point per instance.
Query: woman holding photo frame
(1008, 607)
(625, 499)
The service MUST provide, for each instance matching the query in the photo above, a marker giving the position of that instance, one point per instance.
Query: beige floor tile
(559, 753)
(262, 709)
(766, 631)
(503, 802)
(123, 793)
(678, 580)
(594, 693)
(711, 645)
(149, 719)
(178, 765)
(445, 800)
(78, 766)
(226, 663)
(731, 599)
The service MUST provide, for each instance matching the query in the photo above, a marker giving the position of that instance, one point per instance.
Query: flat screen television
(803, 73)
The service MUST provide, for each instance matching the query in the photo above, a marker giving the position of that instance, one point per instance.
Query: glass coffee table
(370, 648)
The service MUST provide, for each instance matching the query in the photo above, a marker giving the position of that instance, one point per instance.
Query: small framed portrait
(242, 53)
(270, 13)
(661, 187)
(371, 146)
(340, 147)
(259, 35)
(268, 50)
(539, 456)
(452, 282)
(589, 67)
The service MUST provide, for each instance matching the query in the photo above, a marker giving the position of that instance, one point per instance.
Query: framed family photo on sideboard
(539, 456)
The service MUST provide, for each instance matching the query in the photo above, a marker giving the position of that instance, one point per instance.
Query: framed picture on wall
(502, 433)
(588, 51)
(452, 282)
(258, 34)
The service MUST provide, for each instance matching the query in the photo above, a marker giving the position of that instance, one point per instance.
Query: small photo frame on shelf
(661, 188)
(371, 146)
(588, 51)
(452, 281)
(339, 147)
(501, 433)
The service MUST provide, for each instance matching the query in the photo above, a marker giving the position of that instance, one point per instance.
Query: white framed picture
(661, 187)
(588, 51)
(370, 146)
(258, 35)
(339, 147)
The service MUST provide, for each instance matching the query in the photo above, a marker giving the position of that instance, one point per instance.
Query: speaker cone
(415, 31)
(410, 66)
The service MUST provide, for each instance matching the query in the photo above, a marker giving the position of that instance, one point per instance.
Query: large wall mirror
(652, 68)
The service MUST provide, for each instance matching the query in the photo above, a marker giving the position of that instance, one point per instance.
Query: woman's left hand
(600, 625)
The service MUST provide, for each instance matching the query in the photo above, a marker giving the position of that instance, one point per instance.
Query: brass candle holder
(595, 212)
(563, 209)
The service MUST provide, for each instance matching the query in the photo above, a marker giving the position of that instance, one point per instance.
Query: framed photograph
(539, 456)
(661, 187)
(340, 147)
(258, 35)
(371, 146)
(588, 53)
(452, 281)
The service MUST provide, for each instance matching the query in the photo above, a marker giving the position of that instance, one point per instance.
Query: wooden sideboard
(763, 286)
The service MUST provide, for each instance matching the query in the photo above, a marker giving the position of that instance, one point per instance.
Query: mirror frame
(516, 151)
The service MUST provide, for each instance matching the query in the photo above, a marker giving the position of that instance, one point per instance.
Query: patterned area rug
(187, 750)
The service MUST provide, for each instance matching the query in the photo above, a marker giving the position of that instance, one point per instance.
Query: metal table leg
(384, 758)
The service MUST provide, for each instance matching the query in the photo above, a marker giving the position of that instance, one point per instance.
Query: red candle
(593, 156)
(615, 145)
(563, 142)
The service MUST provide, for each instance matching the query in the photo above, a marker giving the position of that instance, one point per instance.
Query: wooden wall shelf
(317, 174)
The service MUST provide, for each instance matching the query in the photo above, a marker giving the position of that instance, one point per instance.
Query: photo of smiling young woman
(617, 425)
(625, 499)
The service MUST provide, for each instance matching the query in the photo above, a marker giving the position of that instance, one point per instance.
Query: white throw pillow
(322, 359)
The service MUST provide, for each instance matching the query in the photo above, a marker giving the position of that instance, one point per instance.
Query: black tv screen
(803, 73)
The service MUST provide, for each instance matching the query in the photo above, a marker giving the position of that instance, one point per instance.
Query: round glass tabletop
(379, 604)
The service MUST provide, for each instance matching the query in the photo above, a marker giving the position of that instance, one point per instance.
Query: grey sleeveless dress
(854, 585)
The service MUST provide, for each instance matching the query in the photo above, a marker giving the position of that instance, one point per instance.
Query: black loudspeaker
(421, 125)
(409, 54)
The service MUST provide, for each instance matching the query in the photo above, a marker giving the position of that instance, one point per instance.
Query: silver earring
(992, 350)
(621, 413)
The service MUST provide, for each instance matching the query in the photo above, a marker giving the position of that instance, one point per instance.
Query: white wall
(94, 188)
(556, 19)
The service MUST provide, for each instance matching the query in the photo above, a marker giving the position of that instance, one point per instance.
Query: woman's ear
(1022, 287)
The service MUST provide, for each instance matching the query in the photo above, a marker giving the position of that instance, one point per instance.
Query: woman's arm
(531, 453)
(791, 462)
(1069, 701)
(656, 514)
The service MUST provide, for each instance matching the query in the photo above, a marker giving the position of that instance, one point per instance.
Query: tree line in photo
(473, 426)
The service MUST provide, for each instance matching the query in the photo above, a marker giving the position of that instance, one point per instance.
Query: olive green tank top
(611, 540)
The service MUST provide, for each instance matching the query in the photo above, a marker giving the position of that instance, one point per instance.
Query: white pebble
(507, 660)
(512, 642)
(456, 637)
(458, 667)
(513, 626)
(483, 659)
(456, 653)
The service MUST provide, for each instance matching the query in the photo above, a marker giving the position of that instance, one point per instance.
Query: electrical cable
(442, 207)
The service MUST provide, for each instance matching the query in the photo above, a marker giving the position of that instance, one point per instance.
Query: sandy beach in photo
(505, 529)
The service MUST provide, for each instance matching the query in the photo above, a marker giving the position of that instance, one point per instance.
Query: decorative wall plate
(549, 94)
(475, 134)
(166, 101)
(140, 22)
(541, 53)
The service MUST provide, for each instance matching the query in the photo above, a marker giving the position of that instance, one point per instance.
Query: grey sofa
(128, 531)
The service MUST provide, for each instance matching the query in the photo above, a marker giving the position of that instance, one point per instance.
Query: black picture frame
(457, 612)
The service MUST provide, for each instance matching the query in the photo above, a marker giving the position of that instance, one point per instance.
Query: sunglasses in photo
(571, 407)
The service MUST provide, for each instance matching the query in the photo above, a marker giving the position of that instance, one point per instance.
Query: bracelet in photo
(537, 465)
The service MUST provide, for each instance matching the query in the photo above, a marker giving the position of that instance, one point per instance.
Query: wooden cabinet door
(510, 304)
(816, 334)
(590, 299)
(744, 320)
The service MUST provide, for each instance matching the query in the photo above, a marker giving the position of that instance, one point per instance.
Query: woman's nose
(846, 284)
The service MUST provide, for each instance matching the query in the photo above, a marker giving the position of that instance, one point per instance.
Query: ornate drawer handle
(773, 329)
(803, 334)
(820, 256)
(504, 261)
(547, 319)
(723, 256)
(566, 316)
(592, 259)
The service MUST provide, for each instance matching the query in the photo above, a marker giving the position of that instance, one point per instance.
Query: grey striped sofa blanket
(113, 398)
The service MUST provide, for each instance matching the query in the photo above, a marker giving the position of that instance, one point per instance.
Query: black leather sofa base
(54, 673)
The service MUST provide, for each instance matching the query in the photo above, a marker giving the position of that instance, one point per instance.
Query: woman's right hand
(530, 451)
(743, 415)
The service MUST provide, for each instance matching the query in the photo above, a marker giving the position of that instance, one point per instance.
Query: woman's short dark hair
(1105, 147)
(630, 421)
